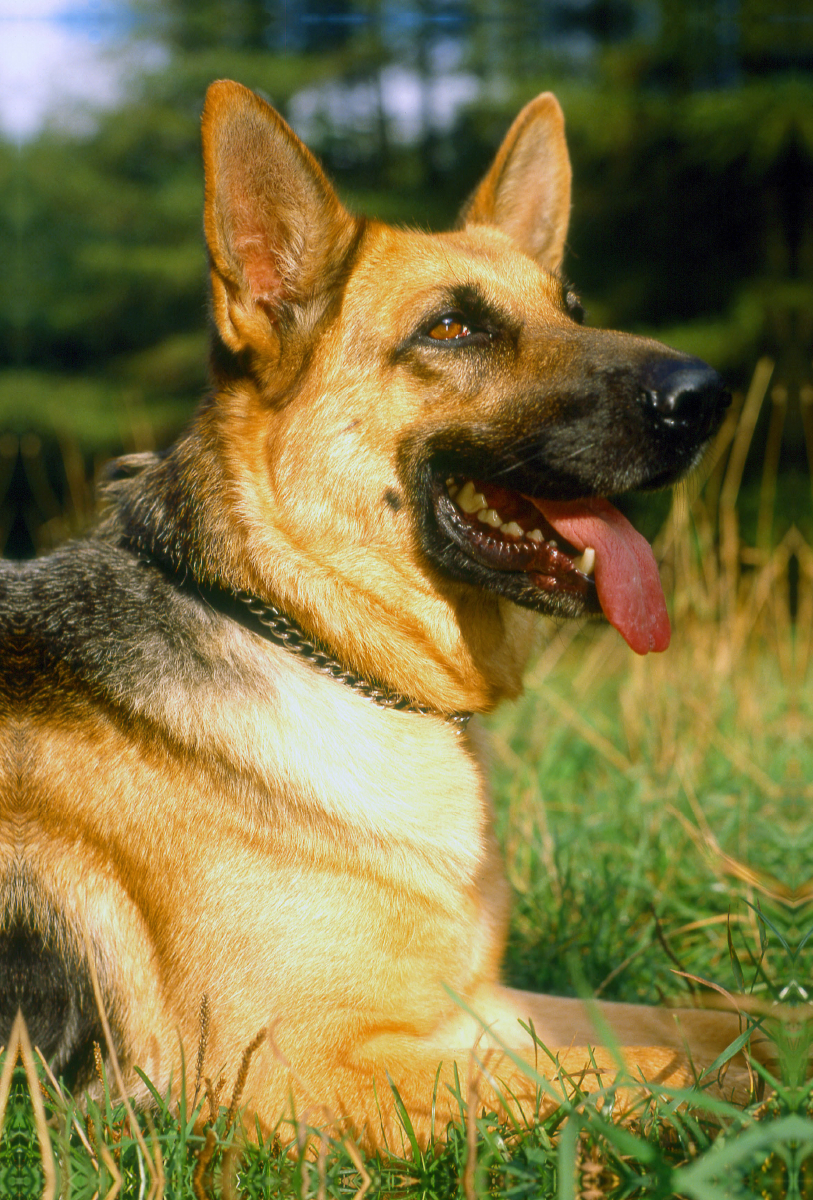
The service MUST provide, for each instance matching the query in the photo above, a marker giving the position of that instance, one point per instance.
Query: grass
(653, 817)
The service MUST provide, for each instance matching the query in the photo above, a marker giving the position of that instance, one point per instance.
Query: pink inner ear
(263, 278)
(260, 268)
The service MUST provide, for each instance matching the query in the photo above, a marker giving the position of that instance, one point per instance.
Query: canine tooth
(452, 490)
(586, 562)
(469, 500)
(535, 535)
(490, 516)
(512, 529)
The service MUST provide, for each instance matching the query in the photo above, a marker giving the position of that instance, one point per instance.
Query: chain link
(285, 632)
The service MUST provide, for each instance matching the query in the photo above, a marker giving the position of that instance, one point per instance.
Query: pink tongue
(627, 581)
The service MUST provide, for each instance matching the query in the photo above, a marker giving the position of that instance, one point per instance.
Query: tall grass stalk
(654, 817)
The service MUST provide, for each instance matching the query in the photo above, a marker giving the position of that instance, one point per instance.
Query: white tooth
(586, 562)
(450, 481)
(490, 516)
(512, 529)
(452, 490)
(535, 535)
(469, 500)
(554, 545)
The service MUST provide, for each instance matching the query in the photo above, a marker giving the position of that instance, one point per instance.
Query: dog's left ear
(526, 192)
(276, 231)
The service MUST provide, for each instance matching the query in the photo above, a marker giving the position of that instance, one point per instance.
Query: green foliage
(690, 167)
(651, 815)
(96, 413)
(687, 226)
(687, 1145)
(693, 162)
(20, 1163)
(604, 850)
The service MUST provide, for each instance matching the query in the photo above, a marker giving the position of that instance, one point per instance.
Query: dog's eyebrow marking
(473, 303)
(392, 498)
(469, 301)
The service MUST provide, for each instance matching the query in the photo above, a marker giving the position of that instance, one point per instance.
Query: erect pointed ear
(526, 192)
(275, 228)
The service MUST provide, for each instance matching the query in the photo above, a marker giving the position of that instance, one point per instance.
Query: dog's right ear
(275, 229)
(526, 191)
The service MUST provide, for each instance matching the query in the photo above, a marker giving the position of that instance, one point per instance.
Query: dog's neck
(158, 521)
(275, 626)
(169, 507)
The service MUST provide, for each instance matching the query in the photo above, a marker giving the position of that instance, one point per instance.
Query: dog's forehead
(421, 273)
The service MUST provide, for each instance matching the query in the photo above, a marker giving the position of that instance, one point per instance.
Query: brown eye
(448, 328)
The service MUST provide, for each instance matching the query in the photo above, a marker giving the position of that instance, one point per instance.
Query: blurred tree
(691, 127)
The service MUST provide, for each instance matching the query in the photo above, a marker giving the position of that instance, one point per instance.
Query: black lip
(565, 593)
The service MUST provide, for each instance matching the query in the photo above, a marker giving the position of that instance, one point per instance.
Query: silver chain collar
(285, 632)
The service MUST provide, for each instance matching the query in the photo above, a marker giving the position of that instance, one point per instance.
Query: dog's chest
(194, 702)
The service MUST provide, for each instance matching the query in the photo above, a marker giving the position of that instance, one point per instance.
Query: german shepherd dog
(236, 757)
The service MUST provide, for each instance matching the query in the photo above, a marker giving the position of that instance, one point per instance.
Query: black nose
(684, 394)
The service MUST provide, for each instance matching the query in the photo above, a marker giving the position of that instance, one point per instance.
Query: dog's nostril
(688, 394)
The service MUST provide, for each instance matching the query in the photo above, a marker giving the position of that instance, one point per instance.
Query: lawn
(652, 814)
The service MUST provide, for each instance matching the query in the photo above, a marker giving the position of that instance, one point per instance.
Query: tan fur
(314, 864)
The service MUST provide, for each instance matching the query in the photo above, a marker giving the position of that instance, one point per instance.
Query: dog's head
(419, 427)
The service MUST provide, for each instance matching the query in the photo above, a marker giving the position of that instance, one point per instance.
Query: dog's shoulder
(96, 612)
(94, 625)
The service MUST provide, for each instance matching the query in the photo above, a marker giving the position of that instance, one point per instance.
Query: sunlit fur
(215, 816)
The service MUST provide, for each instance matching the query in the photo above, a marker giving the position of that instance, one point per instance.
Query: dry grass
(654, 815)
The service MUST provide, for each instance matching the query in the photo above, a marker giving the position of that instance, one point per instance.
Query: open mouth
(566, 558)
(507, 532)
